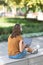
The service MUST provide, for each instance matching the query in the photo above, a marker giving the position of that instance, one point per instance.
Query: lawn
(30, 27)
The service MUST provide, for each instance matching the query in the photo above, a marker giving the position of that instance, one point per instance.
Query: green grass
(29, 25)
(4, 24)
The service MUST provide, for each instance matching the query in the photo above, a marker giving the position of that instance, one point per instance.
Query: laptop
(27, 41)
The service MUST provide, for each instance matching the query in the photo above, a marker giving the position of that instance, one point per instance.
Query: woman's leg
(33, 51)
(28, 49)
(19, 56)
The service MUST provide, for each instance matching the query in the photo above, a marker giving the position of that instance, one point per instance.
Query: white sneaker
(35, 51)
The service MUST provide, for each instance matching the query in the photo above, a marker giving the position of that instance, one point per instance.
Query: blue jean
(19, 56)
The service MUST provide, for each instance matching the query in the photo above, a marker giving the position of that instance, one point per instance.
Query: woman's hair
(16, 31)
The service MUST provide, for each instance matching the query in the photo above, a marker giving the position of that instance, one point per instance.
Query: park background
(28, 13)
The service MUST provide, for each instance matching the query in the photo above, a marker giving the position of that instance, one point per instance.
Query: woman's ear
(21, 28)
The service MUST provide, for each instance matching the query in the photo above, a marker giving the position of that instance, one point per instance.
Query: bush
(5, 30)
(29, 26)
(4, 37)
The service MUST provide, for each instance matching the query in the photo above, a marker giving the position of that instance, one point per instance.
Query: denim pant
(19, 56)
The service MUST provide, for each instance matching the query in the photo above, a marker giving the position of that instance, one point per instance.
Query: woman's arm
(21, 46)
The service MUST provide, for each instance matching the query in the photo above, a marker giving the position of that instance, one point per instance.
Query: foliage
(17, 1)
(34, 5)
(4, 37)
(29, 26)
(5, 30)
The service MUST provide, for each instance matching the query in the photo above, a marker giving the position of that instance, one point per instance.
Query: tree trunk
(26, 12)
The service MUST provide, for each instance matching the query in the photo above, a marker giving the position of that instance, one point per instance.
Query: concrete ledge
(30, 59)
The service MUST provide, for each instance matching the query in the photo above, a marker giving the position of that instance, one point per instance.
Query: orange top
(13, 45)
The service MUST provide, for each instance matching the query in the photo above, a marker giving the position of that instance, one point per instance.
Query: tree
(28, 4)
(2, 2)
(40, 4)
(17, 1)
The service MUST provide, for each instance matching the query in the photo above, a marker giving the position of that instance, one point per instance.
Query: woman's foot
(32, 51)
(35, 51)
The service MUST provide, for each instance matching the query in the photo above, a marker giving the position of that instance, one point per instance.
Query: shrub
(4, 37)
(29, 26)
(5, 30)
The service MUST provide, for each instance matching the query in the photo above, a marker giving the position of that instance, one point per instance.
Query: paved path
(36, 42)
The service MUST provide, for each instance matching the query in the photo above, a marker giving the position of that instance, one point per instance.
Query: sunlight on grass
(8, 24)
(2, 19)
(4, 23)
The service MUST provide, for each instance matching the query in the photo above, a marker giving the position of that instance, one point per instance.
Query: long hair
(16, 31)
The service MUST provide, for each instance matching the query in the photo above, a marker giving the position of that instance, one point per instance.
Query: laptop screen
(27, 41)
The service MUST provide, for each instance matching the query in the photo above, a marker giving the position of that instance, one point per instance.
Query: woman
(16, 47)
